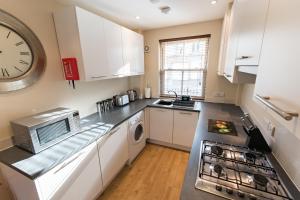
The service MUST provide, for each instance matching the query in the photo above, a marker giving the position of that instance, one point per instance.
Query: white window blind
(183, 65)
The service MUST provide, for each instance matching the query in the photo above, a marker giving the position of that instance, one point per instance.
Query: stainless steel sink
(175, 103)
(163, 102)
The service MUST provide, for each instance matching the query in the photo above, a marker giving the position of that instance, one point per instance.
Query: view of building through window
(183, 66)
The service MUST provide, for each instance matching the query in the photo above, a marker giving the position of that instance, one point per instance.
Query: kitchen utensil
(132, 95)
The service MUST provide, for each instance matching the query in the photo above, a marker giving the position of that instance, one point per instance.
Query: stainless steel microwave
(40, 131)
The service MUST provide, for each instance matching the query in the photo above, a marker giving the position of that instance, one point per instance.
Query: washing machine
(136, 135)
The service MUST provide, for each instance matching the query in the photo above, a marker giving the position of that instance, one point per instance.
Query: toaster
(121, 100)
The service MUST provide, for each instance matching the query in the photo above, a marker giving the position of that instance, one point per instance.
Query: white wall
(285, 145)
(214, 83)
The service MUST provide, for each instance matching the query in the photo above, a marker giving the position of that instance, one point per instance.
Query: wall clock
(22, 57)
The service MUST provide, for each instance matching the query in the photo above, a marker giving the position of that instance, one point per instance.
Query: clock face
(15, 54)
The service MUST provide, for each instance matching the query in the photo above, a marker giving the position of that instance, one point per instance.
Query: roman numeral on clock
(18, 69)
(24, 53)
(23, 62)
(5, 72)
(8, 34)
(19, 43)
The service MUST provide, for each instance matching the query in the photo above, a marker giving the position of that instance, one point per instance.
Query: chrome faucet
(176, 96)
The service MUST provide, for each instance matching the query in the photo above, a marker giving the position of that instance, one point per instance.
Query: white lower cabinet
(175, 127)
(78, 177)
(161, 124)
(185, 124)
(113, 152)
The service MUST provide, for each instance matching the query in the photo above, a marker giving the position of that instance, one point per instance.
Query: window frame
(204, 70)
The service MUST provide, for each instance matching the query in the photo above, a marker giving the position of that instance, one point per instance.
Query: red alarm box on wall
(70, 68)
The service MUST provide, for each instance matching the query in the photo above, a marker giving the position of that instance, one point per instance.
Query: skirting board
(173, 146)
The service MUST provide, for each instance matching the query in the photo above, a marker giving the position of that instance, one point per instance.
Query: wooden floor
(157, 174)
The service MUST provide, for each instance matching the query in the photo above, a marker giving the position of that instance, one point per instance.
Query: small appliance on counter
(105, 105)
(255, 139)
(43, 130)
(121, 100)
(132, 95)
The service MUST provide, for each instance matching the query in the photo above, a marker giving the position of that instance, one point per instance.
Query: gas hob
(235, 172)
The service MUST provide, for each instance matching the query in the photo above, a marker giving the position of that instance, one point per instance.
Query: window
(183, 65)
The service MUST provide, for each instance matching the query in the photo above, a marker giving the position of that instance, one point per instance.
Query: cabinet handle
(185, 113)
(114, 131)
(99, 76)
(161, 110)
(244, 57)
(69, 162)
(284, 114)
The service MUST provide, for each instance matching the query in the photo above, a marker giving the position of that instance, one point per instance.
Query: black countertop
(225, 112)
(94, 127)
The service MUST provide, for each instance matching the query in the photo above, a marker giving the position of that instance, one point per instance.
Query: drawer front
(59, 177)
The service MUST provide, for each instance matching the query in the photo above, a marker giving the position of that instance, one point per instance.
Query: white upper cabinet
(278, 74)
(99, 45)
(133, 44)
(91, 38)
(243, 32)
(114, 48)
(250, 17)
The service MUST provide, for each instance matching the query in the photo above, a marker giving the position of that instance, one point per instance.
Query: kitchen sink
(164, 102)
(184, 103)
(175, 103)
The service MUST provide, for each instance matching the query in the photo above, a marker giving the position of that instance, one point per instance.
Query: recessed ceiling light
(138, 17)
(213, 2)
(165, 9)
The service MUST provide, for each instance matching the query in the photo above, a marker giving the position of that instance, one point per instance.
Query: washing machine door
(137, 133)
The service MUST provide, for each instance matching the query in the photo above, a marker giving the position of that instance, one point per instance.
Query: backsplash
(285, 145)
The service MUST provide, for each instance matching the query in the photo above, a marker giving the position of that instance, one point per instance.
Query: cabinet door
(185, 124)
(113, 153)
(114, 49)
(129, 51)
(278, 73)
(224, 40)
(245, 35)
(251, 16)
(133, 50)
(65, 180)
(88, 183)
(140, 54)
(161, 124)
(92, 42)
(232, 41)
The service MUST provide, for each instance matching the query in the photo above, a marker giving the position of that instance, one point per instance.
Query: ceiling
(125, 11)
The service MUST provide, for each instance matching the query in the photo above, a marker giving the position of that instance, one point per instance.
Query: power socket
(271, 128)
(219, 94)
